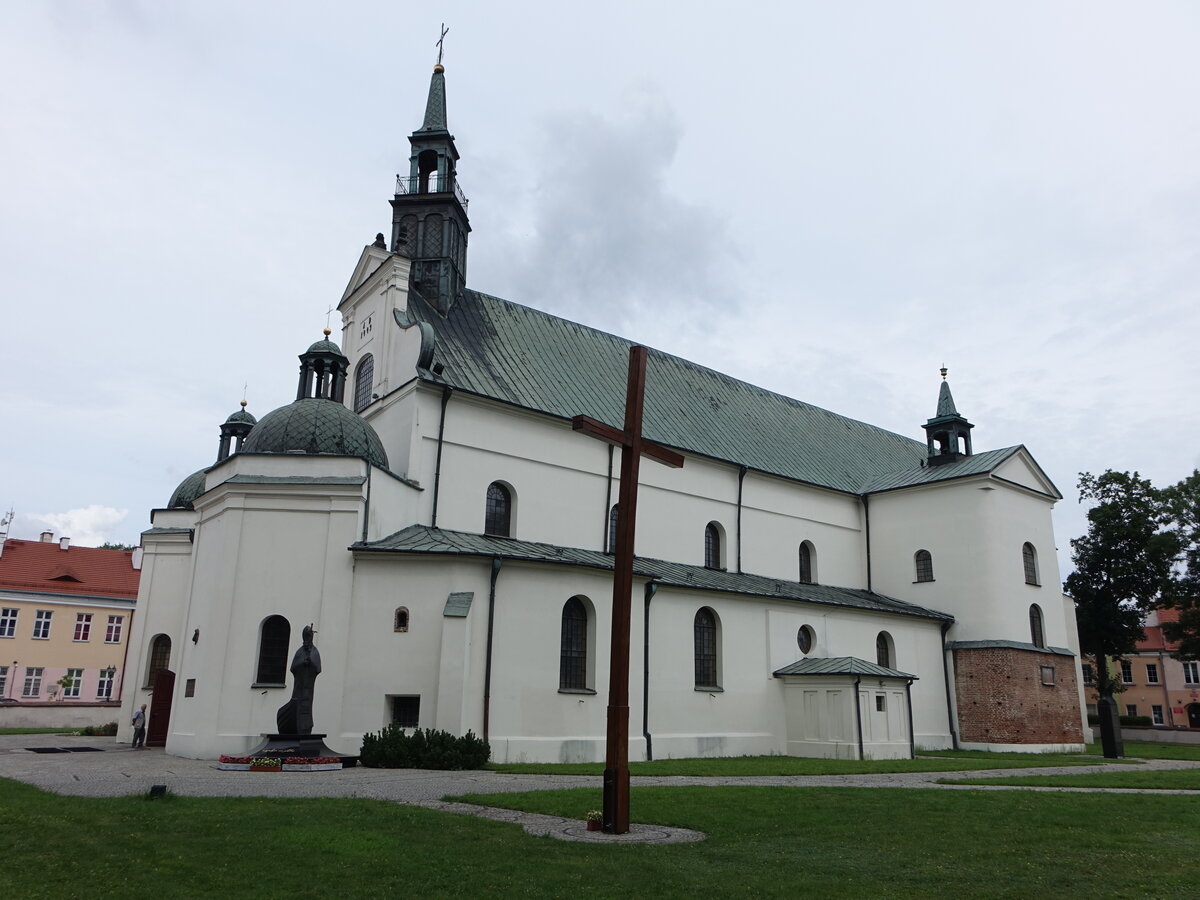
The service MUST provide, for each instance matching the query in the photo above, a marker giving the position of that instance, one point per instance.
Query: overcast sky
(828, 200)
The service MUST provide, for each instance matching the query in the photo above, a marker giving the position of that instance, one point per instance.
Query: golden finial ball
(439, 69)
(327, 332)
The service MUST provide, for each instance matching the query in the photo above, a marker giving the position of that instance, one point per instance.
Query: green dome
(241, 416)
(316, 426)
(325, 346)
(189, 489)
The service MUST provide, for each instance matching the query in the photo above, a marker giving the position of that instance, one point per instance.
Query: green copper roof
(422, 539)
(325, 346)
(534, 360)
(241, 416)
(1007, 645)
(979, 464)
(945, 405)
(435, 106)
(841, 665)
(316, 426)
(189, 489)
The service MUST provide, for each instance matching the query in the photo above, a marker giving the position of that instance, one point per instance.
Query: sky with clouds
(827, 200)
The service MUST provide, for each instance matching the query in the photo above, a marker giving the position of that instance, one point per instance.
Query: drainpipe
(867, 530)
(608, 503)
(487, 666)
(912, 738)
(946, 679)
(741, 478)
(437, 471)
(650, 590)
(858, 715)
(367, 505)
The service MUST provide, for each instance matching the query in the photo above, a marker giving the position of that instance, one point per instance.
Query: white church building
(806, 584)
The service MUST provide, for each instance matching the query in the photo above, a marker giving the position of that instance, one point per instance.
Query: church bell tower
(429, 210)
(947, 434)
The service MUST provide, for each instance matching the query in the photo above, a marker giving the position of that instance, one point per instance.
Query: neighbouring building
(65, 617)
(806, 584)
(1153, 682)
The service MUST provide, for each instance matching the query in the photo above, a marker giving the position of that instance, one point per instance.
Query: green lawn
(1147, 750)
(37, 731)
(1178, 780)
(795, 765)
(762, 842)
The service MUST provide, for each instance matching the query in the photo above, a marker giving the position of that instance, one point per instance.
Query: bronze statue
(295, 716)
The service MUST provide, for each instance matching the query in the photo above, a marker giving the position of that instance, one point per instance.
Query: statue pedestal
(299, 746)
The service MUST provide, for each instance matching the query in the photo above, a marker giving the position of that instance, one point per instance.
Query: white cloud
(89, 526)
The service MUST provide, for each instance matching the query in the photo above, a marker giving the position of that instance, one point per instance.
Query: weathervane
(440, 40)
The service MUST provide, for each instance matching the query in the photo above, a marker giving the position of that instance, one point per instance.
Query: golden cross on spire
(440, 41)
(328, 313)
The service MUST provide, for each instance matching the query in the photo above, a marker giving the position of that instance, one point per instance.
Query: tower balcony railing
(435, 184)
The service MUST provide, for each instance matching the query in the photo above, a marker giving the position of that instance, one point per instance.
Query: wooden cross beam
(633, 446)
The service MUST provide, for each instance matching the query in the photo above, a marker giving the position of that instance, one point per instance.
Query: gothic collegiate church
(805, 584)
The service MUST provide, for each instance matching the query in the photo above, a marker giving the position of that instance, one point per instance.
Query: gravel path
(118, 770)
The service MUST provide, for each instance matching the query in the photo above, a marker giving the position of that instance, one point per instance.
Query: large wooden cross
(633, 446)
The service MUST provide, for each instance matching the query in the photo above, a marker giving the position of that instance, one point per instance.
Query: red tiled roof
(45, 567)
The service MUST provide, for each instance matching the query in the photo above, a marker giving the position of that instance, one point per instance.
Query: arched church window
(712, 546)
(273, 641)
(572, 659)
(807, 563)
(1029, 558)
(400, 619)
(498, 515)
(924, 562)
(1037, 633)
(704, 634)
(364, 378)
(160, 657)
(883, 650)
(612, 529)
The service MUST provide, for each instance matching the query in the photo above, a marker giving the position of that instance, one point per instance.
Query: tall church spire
(947, 434)
(429, 210)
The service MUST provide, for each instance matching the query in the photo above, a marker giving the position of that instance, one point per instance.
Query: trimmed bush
(1126, 721)
(108, 730)
(392, 748)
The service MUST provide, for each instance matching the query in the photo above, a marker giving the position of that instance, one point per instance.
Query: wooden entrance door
(1193, 712)
(160, 708)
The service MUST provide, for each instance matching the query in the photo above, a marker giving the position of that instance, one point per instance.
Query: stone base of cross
(633, 447)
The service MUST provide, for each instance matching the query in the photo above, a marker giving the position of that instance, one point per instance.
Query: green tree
(1183, 503)
(109, 545)
(1123, 567)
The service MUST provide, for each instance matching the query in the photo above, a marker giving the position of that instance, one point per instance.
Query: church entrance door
(160, 708)
(1193, 712)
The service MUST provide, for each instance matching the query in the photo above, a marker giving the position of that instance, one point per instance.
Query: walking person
(139, 728)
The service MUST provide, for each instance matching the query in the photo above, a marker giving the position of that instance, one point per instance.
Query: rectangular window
(83, 626)
(189, 688)
(1089, 676)
(1126, 672)
(1047, 674)
(880, 703)
(41, 624)
(112, 634)
(1191, 673)
(74, 680)
(3, 682)
(1156, 713)
(1093, 710)
(406, 711)
(1131, 709)
(8, 622)
(104, 687)
(1151, 673)
(33, 682)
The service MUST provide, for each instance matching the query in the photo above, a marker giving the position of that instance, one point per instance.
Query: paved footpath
(118, 770)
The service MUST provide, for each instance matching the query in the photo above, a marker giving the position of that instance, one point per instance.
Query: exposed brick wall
(1001, 698)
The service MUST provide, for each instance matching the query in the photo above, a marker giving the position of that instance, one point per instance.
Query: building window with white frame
(1151, 673)
(924, 564)
(112, 634)
(104, 687)
(712, 546)
(83, 627)
(706, 649)
(497, 519)
(8, 622)
(1131, 709)
(74, 680)
(1029, 559)
(1089, 675)
(1156, 714)
(3, 682)
(1191, 673)
(1037, 633)
(41, 624)
(1126, 672)
(33, 682)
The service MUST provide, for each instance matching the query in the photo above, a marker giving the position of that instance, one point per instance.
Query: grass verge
(1178, 780)
(1148, 750)
(762, 842)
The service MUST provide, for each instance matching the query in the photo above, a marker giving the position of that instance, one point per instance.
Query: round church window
(804, 638)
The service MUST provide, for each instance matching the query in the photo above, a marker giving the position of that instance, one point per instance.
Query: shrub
(392, 748)
(108, 730)
(1126, 721)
